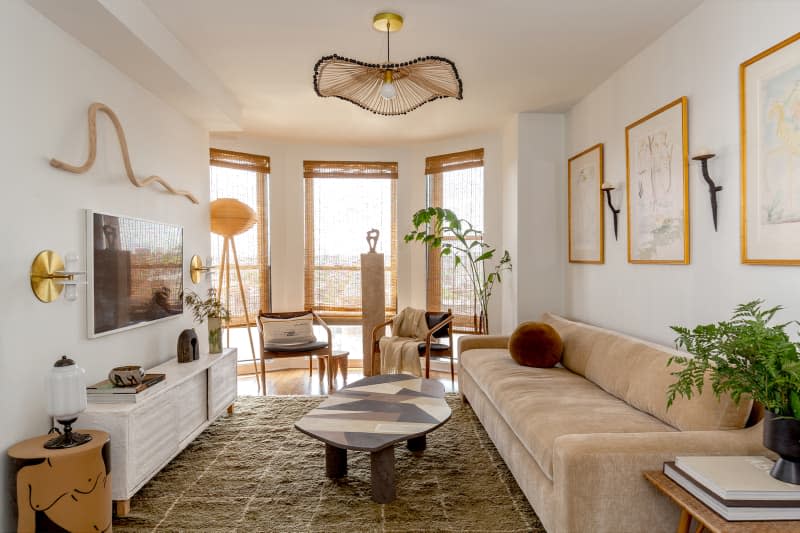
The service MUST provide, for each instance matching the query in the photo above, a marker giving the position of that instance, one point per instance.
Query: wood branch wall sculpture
(123, 144)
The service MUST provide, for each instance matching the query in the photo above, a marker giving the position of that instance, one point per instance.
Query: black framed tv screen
(135, 272)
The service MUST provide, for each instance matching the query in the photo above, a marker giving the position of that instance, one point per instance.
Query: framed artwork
(585, 206)
(769, 92)
(657, 167)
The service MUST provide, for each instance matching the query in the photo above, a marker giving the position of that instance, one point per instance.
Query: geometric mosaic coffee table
(371, 415)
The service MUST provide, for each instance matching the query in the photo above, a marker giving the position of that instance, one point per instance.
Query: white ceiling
(512, 55)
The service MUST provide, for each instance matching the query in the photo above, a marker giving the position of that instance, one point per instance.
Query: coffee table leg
(382, 463)
(335, 461)
(417, 444)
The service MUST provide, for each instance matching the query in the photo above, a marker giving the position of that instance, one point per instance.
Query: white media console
(149, 433)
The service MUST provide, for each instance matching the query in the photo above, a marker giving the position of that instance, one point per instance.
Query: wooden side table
(67, 489)
(707, 520)
(339, 362)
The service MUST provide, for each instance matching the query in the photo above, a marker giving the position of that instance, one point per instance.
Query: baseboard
(246, 367)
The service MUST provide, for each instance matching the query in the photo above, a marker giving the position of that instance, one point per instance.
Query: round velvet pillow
(535, 344)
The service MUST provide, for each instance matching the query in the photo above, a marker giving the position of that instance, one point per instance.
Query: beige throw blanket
(400, 352)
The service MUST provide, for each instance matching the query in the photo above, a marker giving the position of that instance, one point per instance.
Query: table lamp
(66, 398)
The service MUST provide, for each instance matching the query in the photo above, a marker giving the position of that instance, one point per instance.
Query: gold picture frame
(770, 161)
(658, 168)
(586, 225)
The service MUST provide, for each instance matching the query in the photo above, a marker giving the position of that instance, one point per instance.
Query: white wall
(540, 207)
(510, 186)
(532, 167)
(699, 58)
(49, 82)
(287, 204)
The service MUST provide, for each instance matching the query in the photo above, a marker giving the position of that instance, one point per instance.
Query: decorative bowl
(126, 376)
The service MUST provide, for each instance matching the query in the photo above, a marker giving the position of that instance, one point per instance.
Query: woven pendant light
(388, 88)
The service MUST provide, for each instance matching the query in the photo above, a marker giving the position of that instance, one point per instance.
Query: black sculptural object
(713, 188)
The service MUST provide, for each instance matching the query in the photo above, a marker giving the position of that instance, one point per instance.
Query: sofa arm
(598, 477)
(476, 342)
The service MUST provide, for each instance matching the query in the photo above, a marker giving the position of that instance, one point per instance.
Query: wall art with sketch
(770, 138)
(657, 163)
(585, 205)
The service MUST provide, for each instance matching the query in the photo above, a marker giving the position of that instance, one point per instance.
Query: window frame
(435, 168)
(260, 165)
(325, 170)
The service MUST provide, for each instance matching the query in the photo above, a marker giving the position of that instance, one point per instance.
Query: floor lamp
(230, 217)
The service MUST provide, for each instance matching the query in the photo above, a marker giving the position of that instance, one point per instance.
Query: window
(455, 182)
(344, 200)
(243, 177)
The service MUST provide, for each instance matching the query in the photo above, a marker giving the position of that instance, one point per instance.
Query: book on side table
(107, 392)
(736, 487)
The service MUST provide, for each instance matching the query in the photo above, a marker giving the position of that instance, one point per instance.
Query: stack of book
(107, 392)
(737, 487)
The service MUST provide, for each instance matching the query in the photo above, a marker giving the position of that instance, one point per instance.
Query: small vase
(214, 335)
(782, 436)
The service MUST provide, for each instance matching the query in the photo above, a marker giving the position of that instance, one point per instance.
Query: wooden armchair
(322, 349)
(439, 328)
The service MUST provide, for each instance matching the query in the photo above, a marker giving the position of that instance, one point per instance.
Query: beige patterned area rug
(252, 471)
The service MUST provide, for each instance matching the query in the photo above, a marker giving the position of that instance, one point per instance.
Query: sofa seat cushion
(542, 404)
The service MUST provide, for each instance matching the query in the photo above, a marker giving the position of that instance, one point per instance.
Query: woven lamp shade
(231, 217)
(417, 82)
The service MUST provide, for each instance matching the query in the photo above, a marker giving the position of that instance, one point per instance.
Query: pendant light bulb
(388, 90)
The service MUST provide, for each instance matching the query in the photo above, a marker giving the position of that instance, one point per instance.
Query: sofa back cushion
(636, 371)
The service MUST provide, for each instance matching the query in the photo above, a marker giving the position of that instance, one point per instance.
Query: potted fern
(441, 228)
(210, 308)
(747, 356)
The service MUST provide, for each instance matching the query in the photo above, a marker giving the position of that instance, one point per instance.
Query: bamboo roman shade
(344, 200)
(455, 182)
(349, 169)
(239, 161)
(243, 177)
(458, 161)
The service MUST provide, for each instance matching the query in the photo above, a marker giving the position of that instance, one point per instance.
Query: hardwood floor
(297, 381)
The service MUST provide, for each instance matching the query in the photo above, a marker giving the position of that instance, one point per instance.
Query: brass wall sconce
(50, 276)
(607, 187)
(196, 268)
(713, 188)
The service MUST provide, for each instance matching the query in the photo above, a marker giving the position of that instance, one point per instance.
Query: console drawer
(192, 405)
(154, 435)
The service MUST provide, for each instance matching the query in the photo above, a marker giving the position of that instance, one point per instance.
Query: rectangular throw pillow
(288, 331)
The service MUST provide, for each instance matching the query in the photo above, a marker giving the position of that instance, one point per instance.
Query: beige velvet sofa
(578, 438)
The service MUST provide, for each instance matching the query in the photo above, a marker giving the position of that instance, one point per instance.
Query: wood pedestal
(373, 303)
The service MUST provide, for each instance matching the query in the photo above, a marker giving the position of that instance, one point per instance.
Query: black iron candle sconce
(615, 212)
(713, 188)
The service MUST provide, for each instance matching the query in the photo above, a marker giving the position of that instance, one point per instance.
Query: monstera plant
(442, 229)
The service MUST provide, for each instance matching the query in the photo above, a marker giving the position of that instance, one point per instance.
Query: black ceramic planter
(782, 436)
